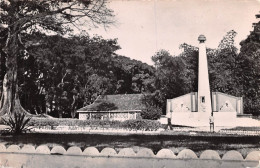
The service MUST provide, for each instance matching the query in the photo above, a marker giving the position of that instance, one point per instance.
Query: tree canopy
(60, 75)
(23, 17)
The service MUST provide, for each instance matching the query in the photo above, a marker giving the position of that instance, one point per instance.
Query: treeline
(62, 74)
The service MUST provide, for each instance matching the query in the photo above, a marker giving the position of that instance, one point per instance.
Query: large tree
(249, 64)
(169, 78)
(18, 17)
(224, 67)
(72, 66)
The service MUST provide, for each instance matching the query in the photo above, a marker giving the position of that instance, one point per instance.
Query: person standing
(211, 123)
(169, 120)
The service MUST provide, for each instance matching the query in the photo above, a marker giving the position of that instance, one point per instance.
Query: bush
(151, 113)
(17, 122)
(72, 122)
(44, 122)
(144, 125)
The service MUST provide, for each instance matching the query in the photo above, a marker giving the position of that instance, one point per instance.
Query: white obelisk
(204, 98)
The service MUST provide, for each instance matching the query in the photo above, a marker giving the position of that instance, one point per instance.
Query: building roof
(122, 102)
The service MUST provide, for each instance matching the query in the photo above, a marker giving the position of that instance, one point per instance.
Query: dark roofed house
(113, 107)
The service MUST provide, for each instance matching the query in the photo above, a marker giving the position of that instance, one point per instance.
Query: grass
(245, 129)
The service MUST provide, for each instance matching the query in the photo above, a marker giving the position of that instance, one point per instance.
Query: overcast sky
(144, 27)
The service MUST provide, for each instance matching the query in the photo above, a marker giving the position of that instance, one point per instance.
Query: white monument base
(201, 119)
(193, 119)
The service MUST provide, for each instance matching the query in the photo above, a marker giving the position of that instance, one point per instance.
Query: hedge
(140, 124)
(70, 122)
(145, 125)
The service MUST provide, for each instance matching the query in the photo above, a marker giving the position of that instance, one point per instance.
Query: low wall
(193, 119)
(221, 119)
(30, 157)
(225, 119)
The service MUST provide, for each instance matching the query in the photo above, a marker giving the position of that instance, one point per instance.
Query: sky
(143, 27)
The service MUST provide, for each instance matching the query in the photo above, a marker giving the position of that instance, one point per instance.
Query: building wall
(189, 103)
(185, 103)
(235, 104)
(225, 118)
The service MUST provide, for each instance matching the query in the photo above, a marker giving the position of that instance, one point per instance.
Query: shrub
(18, 123)
(140, 124)
(72, 122)
(144, 125)
(44, 122)
(151, 113)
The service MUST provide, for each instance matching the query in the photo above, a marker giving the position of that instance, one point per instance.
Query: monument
(204, 102)
(194, 109)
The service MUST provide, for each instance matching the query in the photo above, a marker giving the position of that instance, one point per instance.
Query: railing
(110, 115)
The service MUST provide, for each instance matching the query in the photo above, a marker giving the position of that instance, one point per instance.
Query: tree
(152, 110)
(132, 76)
(74, 70)
(169, 78)
(190, 57)
(95, 70)
(224, 68)
(249, 61)
(25, 17)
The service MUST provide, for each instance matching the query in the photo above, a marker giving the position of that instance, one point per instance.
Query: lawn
(176, 142)
(245, 128)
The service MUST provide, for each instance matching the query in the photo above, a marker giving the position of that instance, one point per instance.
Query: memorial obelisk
(204, 97)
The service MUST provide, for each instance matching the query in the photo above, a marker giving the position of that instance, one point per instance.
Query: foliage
(72, 72)
(18, 19)
(18, 123)
(144, 125)
(151, 111)
(58, 74)
(249, 70)
(39, 122)
(132, 76)
(68, 76)
(224, 68)
(170, 78)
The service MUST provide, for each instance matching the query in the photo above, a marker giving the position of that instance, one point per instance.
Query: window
(202, 99)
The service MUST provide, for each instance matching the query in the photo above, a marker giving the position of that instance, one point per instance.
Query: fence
(110, 115)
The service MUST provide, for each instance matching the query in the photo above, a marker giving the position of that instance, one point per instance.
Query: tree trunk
(10, 102)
